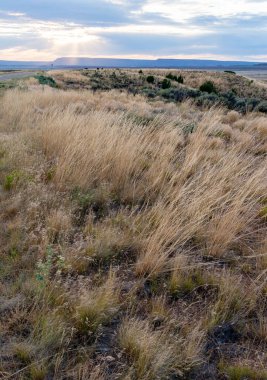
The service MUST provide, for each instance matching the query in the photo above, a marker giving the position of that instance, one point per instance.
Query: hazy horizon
(131, 58)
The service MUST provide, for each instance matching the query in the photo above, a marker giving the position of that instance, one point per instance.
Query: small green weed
(11, 180)
(52, 259)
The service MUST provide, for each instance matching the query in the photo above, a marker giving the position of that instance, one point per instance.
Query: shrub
(230, 72)
(150, 79)
(252, 103)
(229, 99)
(241, 105)
(166, 84)
(208, 99)
(150, 93)
(262, 107)
(180, 79)
(171, 77)
(179, 94)
(49, 81)
(208, 86)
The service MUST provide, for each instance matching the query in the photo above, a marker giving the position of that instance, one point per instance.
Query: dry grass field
(133, 233)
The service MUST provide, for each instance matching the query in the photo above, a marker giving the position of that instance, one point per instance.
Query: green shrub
(166, 84)
(44, 80)
(150, 93)
(229, 99)
(208, 86)
(180, 79)
(241, 105)
(208, 99)
(229, 72)
(171, 77)
(262, 107)
(252, 104)
(150, 79)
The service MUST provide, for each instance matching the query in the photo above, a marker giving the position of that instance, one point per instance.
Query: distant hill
(262, 65)
(157, 63)
(76, 62)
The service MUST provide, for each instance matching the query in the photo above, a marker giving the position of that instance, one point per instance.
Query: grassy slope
(232, 91)
(133, 240)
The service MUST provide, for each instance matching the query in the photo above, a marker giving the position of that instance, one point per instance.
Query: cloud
(78, 11)
(183, 10)
(156, 28)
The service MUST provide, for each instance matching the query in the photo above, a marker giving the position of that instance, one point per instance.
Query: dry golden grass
(151, 354)
(127, 239)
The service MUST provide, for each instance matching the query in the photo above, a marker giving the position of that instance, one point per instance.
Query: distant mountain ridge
(76, 62)
(157, 63)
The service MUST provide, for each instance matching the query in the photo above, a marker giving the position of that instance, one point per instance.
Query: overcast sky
(48, 29)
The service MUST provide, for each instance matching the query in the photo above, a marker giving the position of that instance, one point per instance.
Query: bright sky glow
(46, 29)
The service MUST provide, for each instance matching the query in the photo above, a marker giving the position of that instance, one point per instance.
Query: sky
(44, 30)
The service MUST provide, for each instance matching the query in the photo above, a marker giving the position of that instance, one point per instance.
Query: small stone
(110, 358)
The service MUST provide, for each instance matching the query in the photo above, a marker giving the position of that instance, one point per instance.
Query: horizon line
(135, 59)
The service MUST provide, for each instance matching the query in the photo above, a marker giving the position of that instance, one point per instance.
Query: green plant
(171, 76)
(182, 284)
(263, 212)
(38, 372)
(150, 79)
(229, 72)
(49, 174)
(208, 86)
(52, 259)
(242, 373)
(23, 352)
(189, 128)
(166, 84)
(11, 180)
(44, 80)
(94, 199)
(180, 79)
(262, 107)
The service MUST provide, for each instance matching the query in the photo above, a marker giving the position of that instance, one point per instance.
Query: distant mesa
(76, 62)
(157, 63)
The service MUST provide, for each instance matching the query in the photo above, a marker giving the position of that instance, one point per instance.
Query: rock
(110, 358)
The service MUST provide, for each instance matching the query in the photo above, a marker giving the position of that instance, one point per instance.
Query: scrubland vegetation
(133, 240)
(206, 89)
